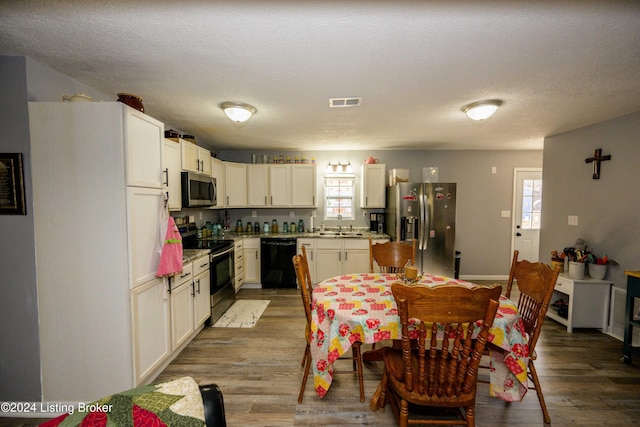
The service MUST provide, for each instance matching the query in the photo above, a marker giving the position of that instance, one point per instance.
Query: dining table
(361, 308)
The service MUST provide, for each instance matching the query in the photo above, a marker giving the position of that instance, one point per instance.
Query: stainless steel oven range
(221, 268)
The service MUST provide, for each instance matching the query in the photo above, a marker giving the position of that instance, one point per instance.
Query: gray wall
(19, 340)
(483, 236)
(607, 208)
(23, 80)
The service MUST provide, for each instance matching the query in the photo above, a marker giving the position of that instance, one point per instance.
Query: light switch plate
(505, 214)
(573, 219)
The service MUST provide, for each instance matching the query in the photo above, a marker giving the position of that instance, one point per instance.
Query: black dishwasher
(276, 263)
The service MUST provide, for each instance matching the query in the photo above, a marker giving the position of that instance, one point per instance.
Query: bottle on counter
(239, 227)
(300, 226)
(266, 227)
(293, 228)
(285, 227)
(256, 227)
(249, 227)
(274, 226)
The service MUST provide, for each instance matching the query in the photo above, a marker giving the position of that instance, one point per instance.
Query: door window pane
(531, 204)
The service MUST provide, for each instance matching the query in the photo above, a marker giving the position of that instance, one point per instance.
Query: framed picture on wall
(12, 200)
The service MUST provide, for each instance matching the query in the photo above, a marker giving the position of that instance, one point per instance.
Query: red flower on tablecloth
(320, 337)
(94, 419)
(142, 417)
(386, 293)
(508, 383)
(331, 313)
(373, 323)
(332, 294)
(360, 312)
(321, 365)
(320, 313)
(392, 312)
(343, 330)
(359, 294)
(520, 350)
(341, 299)
(369, 300)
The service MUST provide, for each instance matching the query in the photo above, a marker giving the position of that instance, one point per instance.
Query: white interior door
(527, 213)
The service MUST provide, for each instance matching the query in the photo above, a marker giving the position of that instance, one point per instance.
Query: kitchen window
(531, 204)
(339, 189)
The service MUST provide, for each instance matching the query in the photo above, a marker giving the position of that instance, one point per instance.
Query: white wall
(608, 208)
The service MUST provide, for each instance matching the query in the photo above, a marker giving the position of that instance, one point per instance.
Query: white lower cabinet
(202, 291)
(182, 308)
(238, 248)
(151, 327)
(190, 301)
(341, 256)
(251, 247)
(310, 249)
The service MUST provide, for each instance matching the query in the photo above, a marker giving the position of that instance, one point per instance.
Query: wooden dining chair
(302, 274)
(309, 283)
(391, 257)
(437, 367)
(535, 282)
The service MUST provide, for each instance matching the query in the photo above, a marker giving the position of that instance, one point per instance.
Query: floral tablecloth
(361, 307)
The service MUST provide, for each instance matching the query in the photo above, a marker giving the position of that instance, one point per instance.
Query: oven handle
(219, 254)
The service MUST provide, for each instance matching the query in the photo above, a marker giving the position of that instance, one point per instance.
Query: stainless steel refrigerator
(425, 212)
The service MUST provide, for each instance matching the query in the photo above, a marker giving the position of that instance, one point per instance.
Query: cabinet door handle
(198, 286)
(169, 285)
(193, 289)
(346, 255)
(339, 256)
(256, 255)
(166, 175)
(265, 200)
(227, 200)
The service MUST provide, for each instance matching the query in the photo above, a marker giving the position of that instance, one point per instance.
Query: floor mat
(242, 314)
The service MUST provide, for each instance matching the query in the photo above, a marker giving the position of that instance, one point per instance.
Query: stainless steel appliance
(276, 264)
(198, 190)
(221, 268)
(425, 212)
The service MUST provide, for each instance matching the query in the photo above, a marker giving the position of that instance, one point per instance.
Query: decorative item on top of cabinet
(373, 182)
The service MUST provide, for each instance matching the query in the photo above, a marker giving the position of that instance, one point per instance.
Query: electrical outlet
(573, 220)
(364, 212)
(292, 214)
(199, 215)
(494, 169)
(254, 214)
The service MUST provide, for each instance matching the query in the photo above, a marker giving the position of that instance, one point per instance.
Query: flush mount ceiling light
(238, 111)
(481, 110)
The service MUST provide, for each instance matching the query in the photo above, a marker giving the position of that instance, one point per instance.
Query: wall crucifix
(596, 159)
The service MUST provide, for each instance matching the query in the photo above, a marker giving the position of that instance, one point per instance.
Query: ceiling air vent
(345, 102)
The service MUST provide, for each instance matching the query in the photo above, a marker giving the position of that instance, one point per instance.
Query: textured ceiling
(557, 65)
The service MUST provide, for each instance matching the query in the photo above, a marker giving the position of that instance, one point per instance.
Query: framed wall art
(12, 201)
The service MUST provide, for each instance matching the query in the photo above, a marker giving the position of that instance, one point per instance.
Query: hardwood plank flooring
(258, 369)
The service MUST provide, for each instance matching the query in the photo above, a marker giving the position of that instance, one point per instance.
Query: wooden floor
(258, 370)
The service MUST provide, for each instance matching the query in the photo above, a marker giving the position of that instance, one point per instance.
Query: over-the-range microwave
(198, 190)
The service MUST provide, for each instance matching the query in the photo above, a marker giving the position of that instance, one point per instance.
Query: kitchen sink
(340, 234)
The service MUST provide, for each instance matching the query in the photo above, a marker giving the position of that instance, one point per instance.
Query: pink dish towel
(171, 256)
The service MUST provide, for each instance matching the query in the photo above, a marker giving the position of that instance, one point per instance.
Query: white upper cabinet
(304, 186)
(194, 158)
(235, 184)
(269, 185)
(258, 185)
(218, 172)
(143, 148)
(280, 185)
(171, 166)
(373, 186)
